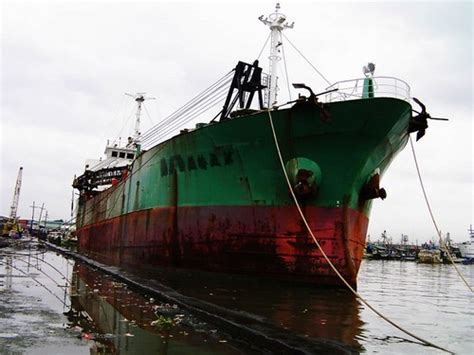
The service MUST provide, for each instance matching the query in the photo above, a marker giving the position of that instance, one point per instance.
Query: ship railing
(382, 86)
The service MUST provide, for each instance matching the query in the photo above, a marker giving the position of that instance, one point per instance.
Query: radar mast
(277, 23)
(139, 98)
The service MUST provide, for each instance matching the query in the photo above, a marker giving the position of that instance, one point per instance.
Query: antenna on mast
(139, 98)
(277, 23)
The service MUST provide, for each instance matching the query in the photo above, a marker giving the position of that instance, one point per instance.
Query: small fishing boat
(430, 256)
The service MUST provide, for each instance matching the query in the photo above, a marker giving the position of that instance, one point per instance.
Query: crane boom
(16, 195)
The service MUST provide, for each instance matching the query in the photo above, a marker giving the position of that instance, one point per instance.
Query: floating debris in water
(87, 336)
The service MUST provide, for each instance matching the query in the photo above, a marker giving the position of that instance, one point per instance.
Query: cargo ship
(215, 197)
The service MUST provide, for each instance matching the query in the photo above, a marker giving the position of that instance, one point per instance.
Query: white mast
(277, 23)
(139, 98)
(16, 195)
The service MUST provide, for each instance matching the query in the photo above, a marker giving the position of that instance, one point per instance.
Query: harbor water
(50, 304)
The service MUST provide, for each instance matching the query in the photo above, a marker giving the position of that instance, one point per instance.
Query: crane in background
(11, 227)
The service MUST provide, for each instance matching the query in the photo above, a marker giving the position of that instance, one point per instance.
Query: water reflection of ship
(316, 312)
(119, 320)
(300, 309)
(93, 310)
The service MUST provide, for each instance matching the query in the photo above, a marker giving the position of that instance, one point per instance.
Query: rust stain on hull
(267, 241)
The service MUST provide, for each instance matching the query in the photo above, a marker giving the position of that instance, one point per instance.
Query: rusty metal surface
(239, 239)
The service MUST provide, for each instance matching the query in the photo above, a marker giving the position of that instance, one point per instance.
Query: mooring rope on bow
(426, 342)
(438, 231)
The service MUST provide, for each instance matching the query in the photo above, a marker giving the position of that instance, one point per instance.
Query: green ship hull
(216, 197)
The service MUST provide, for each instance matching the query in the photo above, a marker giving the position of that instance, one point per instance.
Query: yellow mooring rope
(438, 231)
(425, 342)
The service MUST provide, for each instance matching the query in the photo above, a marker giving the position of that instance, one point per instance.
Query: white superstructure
(118, 154)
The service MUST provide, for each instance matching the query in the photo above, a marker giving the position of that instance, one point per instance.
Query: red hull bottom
(261, 241)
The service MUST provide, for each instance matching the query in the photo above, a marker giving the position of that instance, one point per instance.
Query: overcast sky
(65, 67)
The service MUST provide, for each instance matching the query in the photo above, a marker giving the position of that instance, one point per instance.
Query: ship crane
(16, 196)
(11, 228)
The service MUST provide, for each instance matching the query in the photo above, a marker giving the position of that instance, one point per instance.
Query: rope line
(286, 71)
(307, 61)
(148, 114)
(264, 45)
(125, 123)
(186, 107)
(191, 113)
(426, 342)
(176, 115)
(438, 231)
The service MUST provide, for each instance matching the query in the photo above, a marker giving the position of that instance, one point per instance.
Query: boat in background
(384, 249)
(467, 248)
(430, 256)
(215, 197)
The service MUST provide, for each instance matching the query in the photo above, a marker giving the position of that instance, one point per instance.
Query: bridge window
(122, 155)
(129, 156)
(114, 154)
